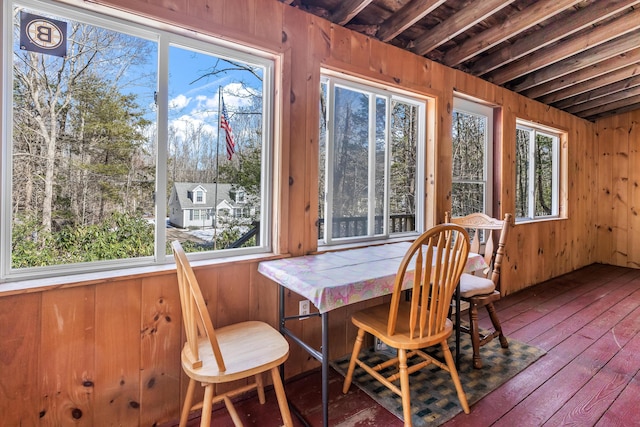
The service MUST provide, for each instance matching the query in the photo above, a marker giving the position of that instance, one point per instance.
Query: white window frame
(199, 214)
(479, 109)
(152, 30)
(556, 135)
(332, 79)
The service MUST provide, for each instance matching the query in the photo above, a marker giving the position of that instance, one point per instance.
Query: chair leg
(474, 331)
(454, 376)
(207, 406)
(260, 388)
(186, 408)
(232, 412)
(493, 315)
(404, 386)
(352, 363)
(281, 396)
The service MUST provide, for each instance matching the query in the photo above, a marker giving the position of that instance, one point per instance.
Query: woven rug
(433, 395)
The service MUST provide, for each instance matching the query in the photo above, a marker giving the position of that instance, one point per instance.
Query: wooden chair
(484, 289)
(433, 264)
(231, 353)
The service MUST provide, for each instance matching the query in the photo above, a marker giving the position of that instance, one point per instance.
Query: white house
(191, 204)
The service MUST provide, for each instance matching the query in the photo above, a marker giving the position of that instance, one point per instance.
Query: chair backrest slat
(493, 230)
(197, 322)
(434, 263)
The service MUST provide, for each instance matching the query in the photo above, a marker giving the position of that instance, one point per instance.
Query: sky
(195, 102)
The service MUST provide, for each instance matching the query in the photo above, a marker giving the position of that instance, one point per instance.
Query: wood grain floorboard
(588, 324)
(587, 321)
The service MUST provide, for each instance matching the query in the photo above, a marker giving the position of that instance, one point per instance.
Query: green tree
(119, 236)
(107, 161)
(45, 88)
(469, 132)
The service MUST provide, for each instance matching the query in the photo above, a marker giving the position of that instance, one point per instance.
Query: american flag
(224, 124)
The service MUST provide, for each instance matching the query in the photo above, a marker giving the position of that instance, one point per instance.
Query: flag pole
(215, 197)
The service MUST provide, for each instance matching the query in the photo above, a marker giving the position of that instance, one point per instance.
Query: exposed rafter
(618, 107)
(596, 71)
(610, 98)
(581, 56)
(585, 58)
(583, 46)
(411, 13)
(461, 21)
(347, 10)
(592, 84)
(551, 33)
(493, 36)
(599, 92)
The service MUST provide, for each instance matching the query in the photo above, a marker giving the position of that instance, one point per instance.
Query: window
(371, 162)
(128, 113)
(472, 133)
(199, 215)
(537, 171)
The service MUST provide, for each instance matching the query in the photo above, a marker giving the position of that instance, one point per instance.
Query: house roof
(184, 188)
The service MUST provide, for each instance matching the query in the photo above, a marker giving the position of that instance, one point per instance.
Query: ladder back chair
(482, 290)
(431, 268)
(235, 352)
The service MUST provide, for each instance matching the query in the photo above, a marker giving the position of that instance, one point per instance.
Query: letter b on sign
(43, 35)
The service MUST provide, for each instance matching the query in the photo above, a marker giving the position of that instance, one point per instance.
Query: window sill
(41, 284)
(533, 221)
(364, 243)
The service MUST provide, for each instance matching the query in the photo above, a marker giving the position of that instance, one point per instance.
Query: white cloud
(204, 107)
(236, 95)
(187, 125)
(179, 102)
(199, 109)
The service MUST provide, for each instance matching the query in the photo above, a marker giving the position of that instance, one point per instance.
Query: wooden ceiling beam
(581, 56)
(588, 58)
(514, 24)
(613, 112)
(610, 98)
(613, 106)
(573, 47)
(596, 70)
(600, 91)
(347, 10)
(461, 21)
(411, 13)
(551, 33)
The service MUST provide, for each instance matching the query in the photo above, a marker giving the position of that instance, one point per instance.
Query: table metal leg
(284, 331)
(325, 369)
(322, 356)
(281, 322)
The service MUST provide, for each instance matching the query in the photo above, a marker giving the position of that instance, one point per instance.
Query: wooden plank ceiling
(582, 57)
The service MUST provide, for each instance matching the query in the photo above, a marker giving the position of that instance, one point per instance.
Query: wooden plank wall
(107, 353)
(618, 189)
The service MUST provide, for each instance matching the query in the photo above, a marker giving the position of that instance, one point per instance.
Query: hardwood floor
(587, 321)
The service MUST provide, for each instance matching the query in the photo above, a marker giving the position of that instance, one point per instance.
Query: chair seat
(375, 319)
(471, 285)
(234, 353)
(422, 321)
(248, 347)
